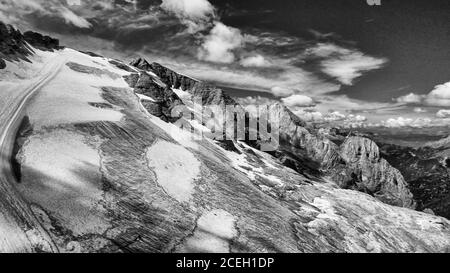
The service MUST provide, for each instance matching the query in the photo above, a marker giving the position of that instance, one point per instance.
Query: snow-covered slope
(99, 172)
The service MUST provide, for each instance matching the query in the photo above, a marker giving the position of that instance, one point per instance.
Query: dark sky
(414, 35)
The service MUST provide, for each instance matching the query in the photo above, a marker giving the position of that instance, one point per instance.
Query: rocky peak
(172, 78)
(210, 94)
(301, 148)
(360, 148)
(14, 45)
(167, 76)
(140, 63)
(366, 171)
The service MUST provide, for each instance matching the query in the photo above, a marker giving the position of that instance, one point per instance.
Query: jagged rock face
(368, 172)
(141, 64)
(360, 149)
(356, 165)
(13, 44)
(40, 41)
(163, 98)
(171, 78)
(209, 94)
(295, 136)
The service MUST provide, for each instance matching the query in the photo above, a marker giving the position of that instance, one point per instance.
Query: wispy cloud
(14, 11)
(407, 122)
(298, 101)
(344, 64)
(254, 61)
(443, 113)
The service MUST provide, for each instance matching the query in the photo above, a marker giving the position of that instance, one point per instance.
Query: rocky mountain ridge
(14, 45)
(357, 164)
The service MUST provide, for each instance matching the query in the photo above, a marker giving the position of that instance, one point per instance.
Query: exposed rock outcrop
(42, 42)
(141, 64)
(172, 78)
(355, 165)
(427, 172)
(14, 45)
(295, 136)
(366, 171)
(163, 98)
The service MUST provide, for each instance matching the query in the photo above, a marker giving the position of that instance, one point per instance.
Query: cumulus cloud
(334, 116)
(281, 91)
(419, 110)
(254, 61)
(218, 46)
(407, 122)
(443, 114)
(338, 119)
(309, 115)
(439, 96)
(298, 101)
(195, 14)
(189, 9)
(344, 64)
(410, 99)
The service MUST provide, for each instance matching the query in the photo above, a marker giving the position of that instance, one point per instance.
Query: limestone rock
(368, 172)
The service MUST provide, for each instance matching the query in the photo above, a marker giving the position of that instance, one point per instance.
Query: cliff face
(356, 164)
(209, 94)
(370, 173)
(14, 45)
(296, 136)
(160, 99)
(42, 42)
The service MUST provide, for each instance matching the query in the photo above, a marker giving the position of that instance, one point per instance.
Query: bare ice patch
(215, 229)
(61, 174)
(175, 168)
